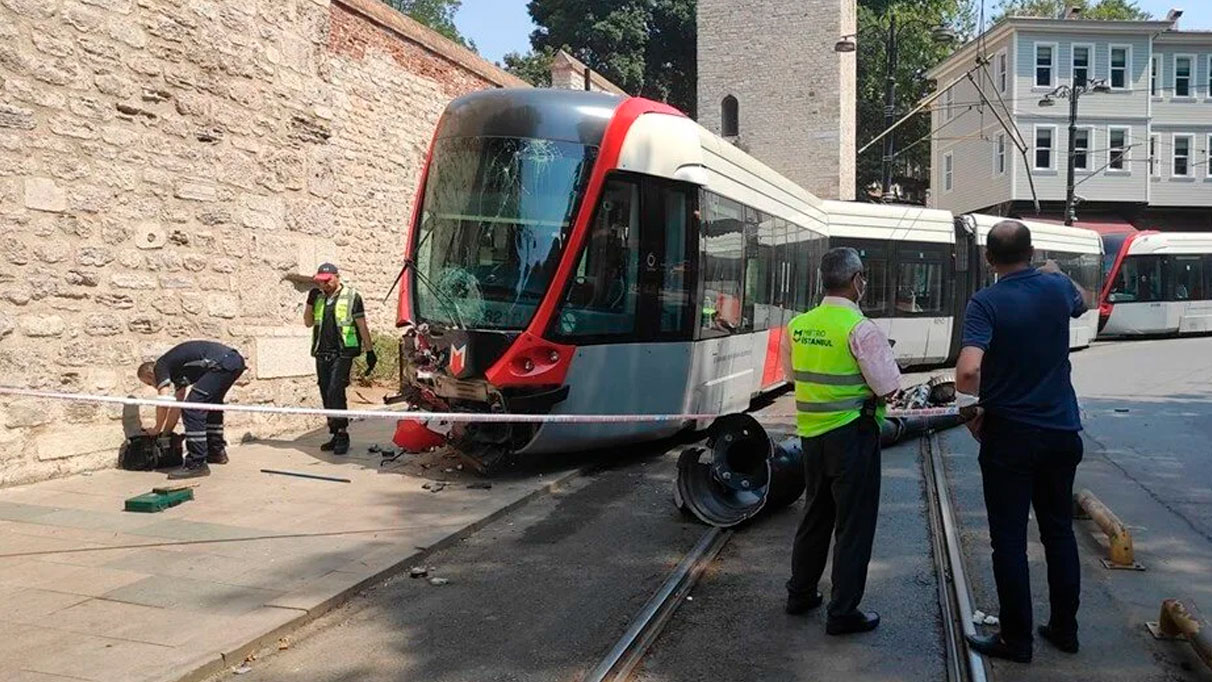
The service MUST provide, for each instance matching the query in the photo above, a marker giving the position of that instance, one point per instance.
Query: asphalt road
(1147, 411)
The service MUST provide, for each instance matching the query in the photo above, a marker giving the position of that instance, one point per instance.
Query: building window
(1208, 158)
(1045, 64)
(948, 172)
(1081, 64)
(1044, 138)
(1182, 155)
(1182, 75)
(1121, 65)
(1002, 72)
(1118, 145)
(1155, 74)
(1081, 149)
(999, 154)
(730, 118)
(1154, 150)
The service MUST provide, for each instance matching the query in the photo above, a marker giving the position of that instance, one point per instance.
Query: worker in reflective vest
(339, 334)
(843, 369)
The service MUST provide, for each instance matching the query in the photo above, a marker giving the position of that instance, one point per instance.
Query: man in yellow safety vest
(843, 368)
(337, 318)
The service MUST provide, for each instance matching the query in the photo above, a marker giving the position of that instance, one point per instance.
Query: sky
(501, 26)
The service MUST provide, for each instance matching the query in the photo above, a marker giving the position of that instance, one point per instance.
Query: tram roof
(1047, 236)
(544, 113)
(1171, 243)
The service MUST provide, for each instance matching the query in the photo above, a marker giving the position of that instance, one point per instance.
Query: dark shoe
(858, 621)
(217, 457)
(329, 445)
(340, 444)
(996, 647)
(1065, 641)
(799, 604)
(196, 471)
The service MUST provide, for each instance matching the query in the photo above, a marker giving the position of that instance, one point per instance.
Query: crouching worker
(207, 370)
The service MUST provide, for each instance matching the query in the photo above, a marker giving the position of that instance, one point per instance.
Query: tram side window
(1188, 276)
(919, 288)
(1139, 279)
(675, 295)
(601, 300)
(722, 247)
(759, 269)
(875, 267)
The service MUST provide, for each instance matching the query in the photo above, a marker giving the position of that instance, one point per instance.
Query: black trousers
(1024, 466)
(842, 472)
(204, 428)
(332, 370)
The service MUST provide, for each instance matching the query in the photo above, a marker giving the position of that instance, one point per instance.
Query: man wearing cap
(339, 333)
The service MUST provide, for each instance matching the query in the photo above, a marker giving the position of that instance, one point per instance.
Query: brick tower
(770, 81)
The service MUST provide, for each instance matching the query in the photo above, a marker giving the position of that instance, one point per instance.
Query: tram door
(965, 282)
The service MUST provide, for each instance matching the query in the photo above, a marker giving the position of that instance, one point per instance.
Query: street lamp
(848, 43)
(1073, 93)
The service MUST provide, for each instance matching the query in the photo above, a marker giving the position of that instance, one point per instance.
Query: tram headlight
(553, 357)
(527, 365)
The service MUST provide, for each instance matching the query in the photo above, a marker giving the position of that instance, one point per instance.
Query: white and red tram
(1158, 284)
(581, 253)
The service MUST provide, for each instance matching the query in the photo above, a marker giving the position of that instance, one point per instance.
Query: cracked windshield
(496, 216)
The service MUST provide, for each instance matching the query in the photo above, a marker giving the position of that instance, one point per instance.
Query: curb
(208, 665)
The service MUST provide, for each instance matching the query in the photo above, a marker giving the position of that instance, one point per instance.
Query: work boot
(189, 471)
(329, 444)
(1065, 641)
(217, 457)
(340, 443)
(852, 623)
(798, 604)
(996, 647)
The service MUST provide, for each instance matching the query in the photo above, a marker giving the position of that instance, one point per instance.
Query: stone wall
(166, 166)
(796, 96)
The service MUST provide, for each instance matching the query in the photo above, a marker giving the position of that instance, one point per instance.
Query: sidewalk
(90, 592)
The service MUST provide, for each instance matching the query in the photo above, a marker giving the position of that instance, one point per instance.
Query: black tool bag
(145, 453)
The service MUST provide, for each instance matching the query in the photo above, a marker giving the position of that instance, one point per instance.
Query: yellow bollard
(1118, 537)
(1181, 620)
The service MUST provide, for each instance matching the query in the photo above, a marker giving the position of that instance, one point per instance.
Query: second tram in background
(1157, 284)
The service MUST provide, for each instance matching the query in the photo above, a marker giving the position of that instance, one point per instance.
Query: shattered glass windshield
(496, 215)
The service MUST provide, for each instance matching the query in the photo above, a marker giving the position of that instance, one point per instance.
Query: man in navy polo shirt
(1015, 356)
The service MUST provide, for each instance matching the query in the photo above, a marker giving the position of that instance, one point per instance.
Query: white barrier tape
(485, 417)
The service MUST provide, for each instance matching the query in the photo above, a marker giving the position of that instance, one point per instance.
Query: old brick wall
(165, 165)
(796, 96)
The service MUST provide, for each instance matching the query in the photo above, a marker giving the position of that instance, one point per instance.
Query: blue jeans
(1023, 466)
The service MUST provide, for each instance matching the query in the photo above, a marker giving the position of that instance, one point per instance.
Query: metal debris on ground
(479, 485)
(283, 644)
(418, 572)
(434, 486)
(438, 582)
(297, 474)
(242, 669)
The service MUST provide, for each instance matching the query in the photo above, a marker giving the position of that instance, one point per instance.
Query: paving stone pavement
(90, 592)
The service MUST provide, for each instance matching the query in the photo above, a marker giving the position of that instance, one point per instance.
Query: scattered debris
(242, 669)
(302, 475)
(283, 644)
(448, 470)
(460, 467)
(434, 486)
(1122, 409)
(438, 582)
(418, 572)
(981, 618)
(374, 449)
(479, 485)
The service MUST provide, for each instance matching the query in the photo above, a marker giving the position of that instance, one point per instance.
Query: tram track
(955, 601)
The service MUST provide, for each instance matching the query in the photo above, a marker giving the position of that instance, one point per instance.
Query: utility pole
(1070, 208)
(889, 107)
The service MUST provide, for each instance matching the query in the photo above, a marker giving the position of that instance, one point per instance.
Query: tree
(436, 14)
(646, 47)
(1122, 10)
(917, 51)
(532, 67)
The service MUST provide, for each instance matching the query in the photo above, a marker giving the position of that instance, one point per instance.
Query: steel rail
(644, 629)
(952, 637)
(953, 573)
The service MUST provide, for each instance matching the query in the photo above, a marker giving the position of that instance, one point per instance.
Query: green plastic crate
(156, 501)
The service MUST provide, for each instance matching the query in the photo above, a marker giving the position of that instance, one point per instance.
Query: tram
(581, 253)
(1157, 284)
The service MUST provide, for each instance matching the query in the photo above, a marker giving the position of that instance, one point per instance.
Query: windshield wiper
(447, 303)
